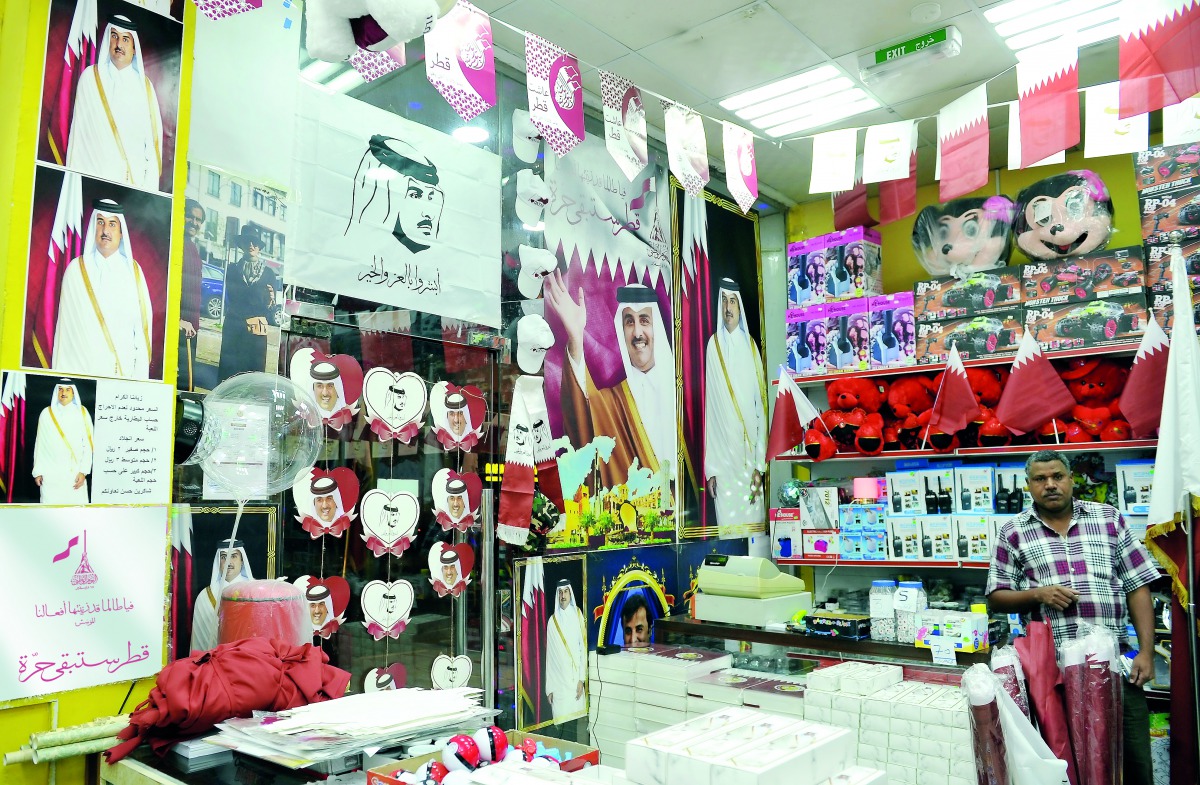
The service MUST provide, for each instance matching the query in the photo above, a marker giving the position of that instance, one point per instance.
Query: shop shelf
(1022, 449)
(897, 564)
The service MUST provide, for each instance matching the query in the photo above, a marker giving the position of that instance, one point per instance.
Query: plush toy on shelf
(908, 398)
(853, 403)
(964, 236)
(987, 383)
(338, 28)
(1096, 384)
(1063, 215)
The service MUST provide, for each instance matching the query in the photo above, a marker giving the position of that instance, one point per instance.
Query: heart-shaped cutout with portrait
(393, 677)
(386, 607)
(449, 672)
(326, 501)
(456, 498)
(458, 414)
(327, 600)
(389, 522)
(395, 403)
(450, 567)
(334, 381)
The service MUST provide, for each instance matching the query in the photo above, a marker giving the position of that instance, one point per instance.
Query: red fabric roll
(263, 609)
(1039, 661)
(990, 763)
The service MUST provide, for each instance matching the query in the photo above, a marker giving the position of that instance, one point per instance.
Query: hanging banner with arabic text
(555, 88)
(624, 123)
(741, 171)
(459, 61)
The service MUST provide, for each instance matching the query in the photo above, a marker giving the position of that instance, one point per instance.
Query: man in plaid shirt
(1070, 562)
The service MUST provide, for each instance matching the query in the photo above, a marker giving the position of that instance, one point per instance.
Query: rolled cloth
(263, 609)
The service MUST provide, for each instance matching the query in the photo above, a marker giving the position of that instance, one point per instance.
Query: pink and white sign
(372, 65)
(624, 123)
(555, 93)
(219, 9)
(459, 61)
(687, 149)
(741, 171)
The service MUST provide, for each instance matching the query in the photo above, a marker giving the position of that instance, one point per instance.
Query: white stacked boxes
(919, 733)
(718, 690)
(662, 679)
(612, 697)
(837, 695)
(776, 696)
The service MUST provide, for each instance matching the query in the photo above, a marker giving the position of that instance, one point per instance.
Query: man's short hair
(191, 203)
(633, 604)
(1046, 456)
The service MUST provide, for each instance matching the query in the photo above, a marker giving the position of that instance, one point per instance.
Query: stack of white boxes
(662, 681)
(919, 733)
(777, 696)
(835, 695)
(719, 690)
(611, 697)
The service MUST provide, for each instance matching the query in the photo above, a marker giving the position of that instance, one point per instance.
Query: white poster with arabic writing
(84, 589)
(393, 212)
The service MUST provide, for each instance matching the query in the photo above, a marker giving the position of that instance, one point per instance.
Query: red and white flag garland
(460, 62)
(555, 88)
(1035, 393)
(1048, 84)
(963, 145)
(1158, 54)
(624, 123)
(687, 149)
(741, 170)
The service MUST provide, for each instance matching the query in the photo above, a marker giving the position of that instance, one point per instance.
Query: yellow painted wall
(900, 266)
(23, 25)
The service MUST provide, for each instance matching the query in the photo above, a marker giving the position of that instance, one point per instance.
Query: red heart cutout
(351, 371)
(347, 482)
(339, 591)
(466, 557)
(476, 403)
(474, 487)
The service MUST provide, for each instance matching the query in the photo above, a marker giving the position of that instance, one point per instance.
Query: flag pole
(1193, 639)
(936, 398)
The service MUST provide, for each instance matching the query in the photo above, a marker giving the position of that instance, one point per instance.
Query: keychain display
(395, 404)
(389, 522)
(327, 600)
(335, 382)
(326, 501)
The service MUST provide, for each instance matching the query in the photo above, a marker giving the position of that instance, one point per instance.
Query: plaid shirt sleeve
(1134, 566)
(1006, 571)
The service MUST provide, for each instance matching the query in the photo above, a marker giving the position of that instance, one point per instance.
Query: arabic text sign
(85, 589)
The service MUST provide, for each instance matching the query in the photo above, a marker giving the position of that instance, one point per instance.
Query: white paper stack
(611, 700)
(662, 680)
(918, 733)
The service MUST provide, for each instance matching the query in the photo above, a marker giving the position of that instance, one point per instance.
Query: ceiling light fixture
(904, 56)
(1026, 23)
(471, 134)
(810, 99)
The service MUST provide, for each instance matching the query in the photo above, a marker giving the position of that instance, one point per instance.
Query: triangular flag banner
(1142, 398)
(1158, 56)
(1048, 86)
(624, 123)
(886, 150)
(555, 88)
(1181, 122)
(687, 149)
(850, 208)
(220, 9)
(793, 411)
(1034, 393)
(956, 404)
(372, 65)
(741, 170)
(963, 154)
(898, 198)
(833, 161)
(1105, 133)
(1014, 143)
(460, 62)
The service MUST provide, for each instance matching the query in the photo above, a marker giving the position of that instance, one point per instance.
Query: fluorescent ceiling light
(821, 90)
(319, 70)
(1026, 23)
(345, 81)
(823, 116)
(471, 134)
(782, 87)
(816, 97)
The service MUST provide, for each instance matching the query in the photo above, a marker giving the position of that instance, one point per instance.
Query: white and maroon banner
(687, 149)
(886, 150)
(1105, 133)
(555, 93)
(1158, 54)
(373, 65)
(1048, 86)
(833, 161)
(1015, 143)
(624, 123)
(1181, 122)
(963, 145)
(741, 170)
(459, 61)
(219, 9)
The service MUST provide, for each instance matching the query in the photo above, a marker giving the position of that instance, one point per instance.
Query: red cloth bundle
(193, 694)
(1007, 665)
(1040, 663)
(1091, 673)
(980, 686)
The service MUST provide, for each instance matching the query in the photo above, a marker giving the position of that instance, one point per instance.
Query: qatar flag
(898, 198)
(1158, 54)
(1035, 393)
(850, 208)
(80, 52)
(1048, 84)
(793, 411)
(955, 405)
(1142, 400)
(963, 145)
(533, 644)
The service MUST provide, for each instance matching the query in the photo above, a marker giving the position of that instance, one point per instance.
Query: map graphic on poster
(393, 212)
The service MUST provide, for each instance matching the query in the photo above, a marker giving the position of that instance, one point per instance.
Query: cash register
(747, 590)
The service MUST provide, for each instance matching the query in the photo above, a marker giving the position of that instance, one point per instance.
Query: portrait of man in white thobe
(327, 388)
(735, 421)
(398, 187)
(105, 316)
(566, 656)
(230, 565)
(62, 448)
(116, 123)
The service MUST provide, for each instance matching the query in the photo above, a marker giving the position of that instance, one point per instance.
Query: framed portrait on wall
(551, 640)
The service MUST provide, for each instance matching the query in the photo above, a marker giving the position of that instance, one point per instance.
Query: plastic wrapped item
(1007, 665)
(275, 610)
(906, 620)
(1039, 659)
(1091, 668)
(883, 612)
(980, 686)
(1068, 214)
(964, 236)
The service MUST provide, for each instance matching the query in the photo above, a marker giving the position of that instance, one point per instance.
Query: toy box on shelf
(853, 264)
(806, 341)
(996, 334)
(806, 272)
(1115, 320)
(893, 330)
(947, 297)
(1114, 272)
(847, 336)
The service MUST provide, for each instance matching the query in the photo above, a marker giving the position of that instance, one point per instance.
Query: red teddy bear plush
(1096, 385)
(909, 397)
(987, 384)
(853, 416)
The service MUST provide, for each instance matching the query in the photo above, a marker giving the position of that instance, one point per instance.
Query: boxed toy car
(1158, 265)
(853, 265)
(806, 353)
(893, 330)
(1162, 308)
(983, 292)
(1134, 480)
(1171, 213)
(847, 336)
(806, 272)
(1109, 273)
(1163, 165)
(1115, 320)
(994, 335)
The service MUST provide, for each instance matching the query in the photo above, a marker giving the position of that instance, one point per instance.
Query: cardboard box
(806, 272)
(937, 486)
(904, 494)
(838, 624)
(1170, 213)
(771, 695)
(847, 336)
(974, 489)
(1116, 320)
(1158, 265)
(806, 341)
(581, 756)
(1134, 480)
(905, 536)
(856, 517)
(853, 264)
(820, 544)
(1165, 165)
(994, 335)
(1162, 308)
(984, 292)
(974, 540)
(1010, 478)
(875, 542)
(938, 540)
(1113, 272)
(893, 330)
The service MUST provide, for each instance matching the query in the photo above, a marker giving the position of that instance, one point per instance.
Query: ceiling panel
(558, 25)
(646, 75)
(788, 169)
(639, 23)
(848, 26)
(491, 6)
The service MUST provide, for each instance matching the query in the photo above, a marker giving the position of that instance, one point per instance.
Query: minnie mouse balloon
(963, 236)
(1065, 215)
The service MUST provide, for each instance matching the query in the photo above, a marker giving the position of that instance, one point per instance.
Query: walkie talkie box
(974, 489)
(975, 541)
(1134, 480)
(905, 497)
(937, 487)
(1012, 489)
(937, 538)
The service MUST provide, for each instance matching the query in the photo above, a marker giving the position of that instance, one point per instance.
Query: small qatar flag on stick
(1158, 56)
(1048, 83)
(956, 404)
(555, 88)
(687, 150)
(1034, 394)
(963, 140)
(459, 61)
(741, 171)
(1142, 399)
(793, 411)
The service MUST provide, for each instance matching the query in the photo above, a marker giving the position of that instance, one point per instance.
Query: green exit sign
(910, 46)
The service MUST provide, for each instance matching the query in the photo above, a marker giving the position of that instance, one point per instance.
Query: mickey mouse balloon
(327, 600)
(450, 567)
(395, 403)
(456, 499)
(459, 415)
(335, 382)
(389, 522)
(325, 501)
(1063, 215)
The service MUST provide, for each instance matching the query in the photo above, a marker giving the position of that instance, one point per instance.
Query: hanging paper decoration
(516, 488)
(624, 123)
(449, 673)
(532, 198)
(1048, 85)
(450, 567)
(741, 169)
(898, 198)
(536, 264)
(389, 522)
(327, 600)
(687, 149)
(1015, 148)
(459, 61)
(393, 677)
(555, 89)
(220, 9)
(459, 415)
(963, 145)
(886, 149)
(386, 608)
(325, 501)
(456, 499)
(1158, 54)
(533, 339)
(545, 459)
(526, 138)
(335, 381)
(1105, 133)
(833, 159)
(395, 403)
(372, 65)
(1181, 122)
